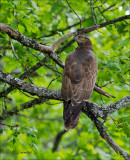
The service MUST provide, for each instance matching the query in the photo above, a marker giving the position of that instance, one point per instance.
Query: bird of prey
(79, 77)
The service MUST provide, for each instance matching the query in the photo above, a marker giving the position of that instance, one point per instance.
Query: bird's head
(83, 40)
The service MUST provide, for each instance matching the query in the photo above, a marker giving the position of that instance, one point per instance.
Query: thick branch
(102, 130)
(23, 39)
(29, 88)
(50, 94)
(98, 111)
(118, 105)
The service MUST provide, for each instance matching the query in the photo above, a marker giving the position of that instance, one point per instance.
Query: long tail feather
(71, 114)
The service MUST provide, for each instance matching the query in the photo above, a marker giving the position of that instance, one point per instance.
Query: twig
(74, 12)
(126, 72)
(10, 126)
(58, 139)
(13, 51)
(108, 8)
(59, 41)
(106, 84)
(102, 99)
(50, 67)
(102, 14)
(33, 54)
(84, 16)
(91, 4)
(29, 71)
(52, 81)
(99, 90)
(15, 110)
(5, 104)
(65, 46)
(26, 94)
(59, 30)
(53, 103)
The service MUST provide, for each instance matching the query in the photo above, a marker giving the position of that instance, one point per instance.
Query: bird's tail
(71, 114)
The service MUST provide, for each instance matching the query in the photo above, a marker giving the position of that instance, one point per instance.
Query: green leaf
(125, 42)
(34, 145)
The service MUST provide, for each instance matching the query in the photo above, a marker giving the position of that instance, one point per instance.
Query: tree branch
(99, 90)
(59, 41)
(33, 89)
(26, 105)
(37, 46)
(93, 111)
(65, 46)
(29, 88)
(86, 30)
(48, 49)
(90, 29)
(102, 130)
(23, 39)
(59, 30)
(93, 115)
(98, 111)
(58, 139)
(28, 72)
(118, 105)
(50, 94)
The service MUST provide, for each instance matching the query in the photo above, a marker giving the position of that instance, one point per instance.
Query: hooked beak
(76, 38)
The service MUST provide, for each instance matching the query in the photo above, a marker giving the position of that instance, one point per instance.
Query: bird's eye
(82, 38)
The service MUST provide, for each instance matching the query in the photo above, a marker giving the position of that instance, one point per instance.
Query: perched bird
(78, 81)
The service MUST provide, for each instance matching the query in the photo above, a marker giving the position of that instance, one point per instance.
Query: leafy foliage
(31, 133)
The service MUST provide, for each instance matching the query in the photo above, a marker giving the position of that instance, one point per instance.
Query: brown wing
(66, 81)
(79, 78)
(83, 90)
